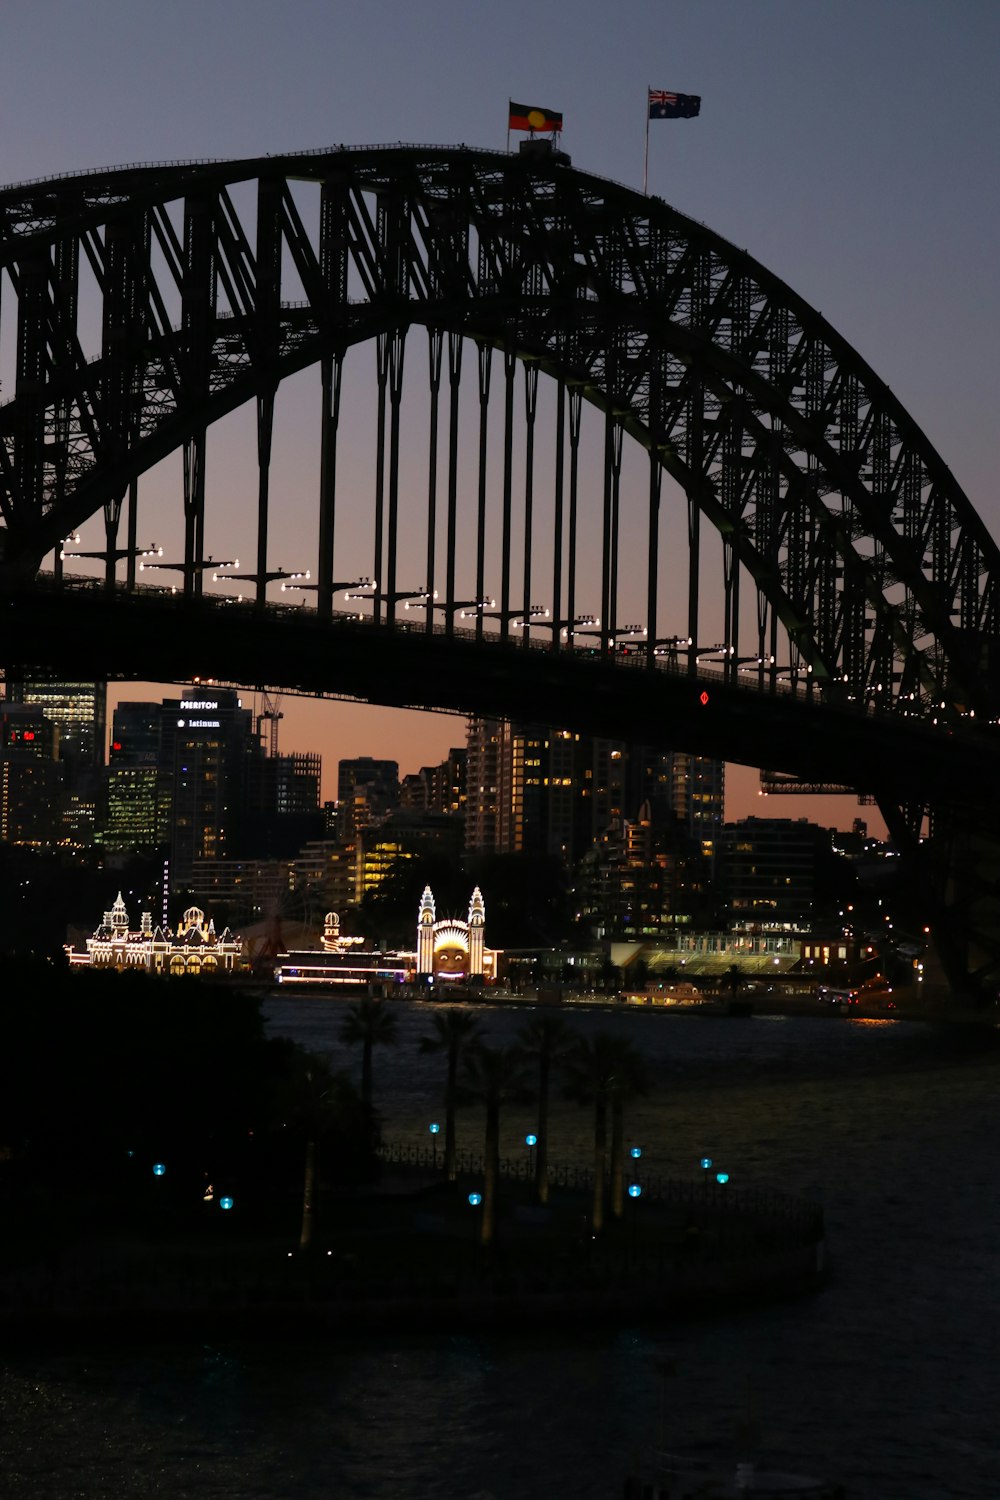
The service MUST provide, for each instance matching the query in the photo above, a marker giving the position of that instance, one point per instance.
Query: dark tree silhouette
(492, 1075)
(546, 1039)
(368, 1024)
(313, 1100)
(602, 1072)
(454, 1031)
(628, 1079)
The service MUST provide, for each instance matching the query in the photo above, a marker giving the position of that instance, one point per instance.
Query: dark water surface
(888, 1380)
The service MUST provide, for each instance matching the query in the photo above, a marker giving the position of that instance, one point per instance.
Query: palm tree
(454, 1030)
(603, 1072)
(311, 1098)
(371, 1024)
(491, 1075)
(548, 1039)
(628, 1079)
(590, 1070)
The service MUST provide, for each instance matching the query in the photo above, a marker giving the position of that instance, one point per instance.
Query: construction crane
(271, 715)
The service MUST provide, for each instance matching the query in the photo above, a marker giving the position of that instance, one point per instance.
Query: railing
(491, 640)
(757, 1203)
(171, 164)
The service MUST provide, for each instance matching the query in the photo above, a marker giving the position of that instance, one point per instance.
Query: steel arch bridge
(850, 586)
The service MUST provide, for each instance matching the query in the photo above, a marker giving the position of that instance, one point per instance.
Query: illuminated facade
(449, 951)
(195, 948)
(450, 948)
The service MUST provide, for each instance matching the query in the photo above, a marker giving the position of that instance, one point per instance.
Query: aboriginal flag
(529, 117)
(665, 106)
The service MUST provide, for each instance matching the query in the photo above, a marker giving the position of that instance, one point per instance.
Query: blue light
(706, 1163)
(475, 1199)
(635, 1153)
(634, 1190)
(158, 1169)
(225, 1202)
(722, 1178)
(434, 1129)
(531, 1140)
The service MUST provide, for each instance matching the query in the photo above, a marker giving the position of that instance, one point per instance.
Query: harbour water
(886, 1380)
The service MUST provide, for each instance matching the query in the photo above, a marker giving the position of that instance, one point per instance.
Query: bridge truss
(142, 305)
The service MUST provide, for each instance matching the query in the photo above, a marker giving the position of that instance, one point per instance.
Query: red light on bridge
(703, 698)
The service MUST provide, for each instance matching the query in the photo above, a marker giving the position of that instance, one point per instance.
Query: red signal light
(703, 698)
(29, 734)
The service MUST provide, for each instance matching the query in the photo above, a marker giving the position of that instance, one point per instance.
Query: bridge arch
(854, 571)
(862, 550)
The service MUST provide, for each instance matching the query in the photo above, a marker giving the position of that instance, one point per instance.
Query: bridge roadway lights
(162, 638)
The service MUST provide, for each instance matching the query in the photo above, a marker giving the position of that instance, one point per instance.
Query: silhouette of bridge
(711, 527)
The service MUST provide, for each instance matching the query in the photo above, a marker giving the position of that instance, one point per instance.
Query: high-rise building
(522, 804)
(404, 835)
(139, 782)
(511, 801)
(282, 805)
(697, 799)
(447, 784)
(625, 881)
(323, 873)
(31, 777)
(367, 790)
(768, 868)
(77, 709)
(550, 791)
(690, 788)
(485, 751)
(208, 739)
(439, 788)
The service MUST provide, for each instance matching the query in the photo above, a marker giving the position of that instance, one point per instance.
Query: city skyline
(846, 148)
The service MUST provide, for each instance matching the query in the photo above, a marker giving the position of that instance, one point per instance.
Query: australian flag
(666, 106)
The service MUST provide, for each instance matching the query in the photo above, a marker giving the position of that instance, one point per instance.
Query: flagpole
(645, 164)
(508, 127)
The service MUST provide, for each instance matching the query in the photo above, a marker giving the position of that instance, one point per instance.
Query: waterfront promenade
(404, 1252)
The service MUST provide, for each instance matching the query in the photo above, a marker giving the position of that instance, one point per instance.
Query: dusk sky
(852, 147)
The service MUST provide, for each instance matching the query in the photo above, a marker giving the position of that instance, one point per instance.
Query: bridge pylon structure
(631, 440)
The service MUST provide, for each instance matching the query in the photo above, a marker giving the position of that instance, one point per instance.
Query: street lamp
(524, 618)
(671, 645)
(469, 609)
(298, 578)
(580, 625)
(635, 1193)
(365, 588)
